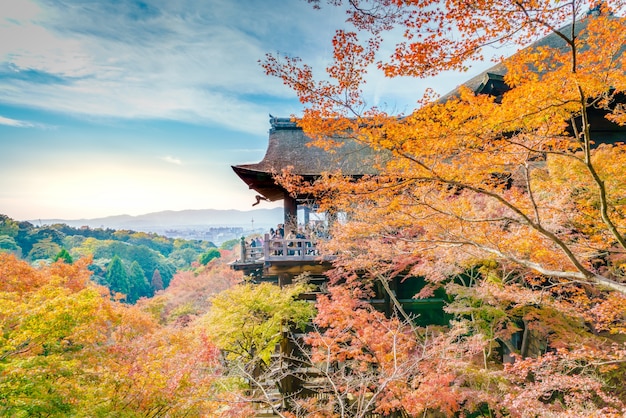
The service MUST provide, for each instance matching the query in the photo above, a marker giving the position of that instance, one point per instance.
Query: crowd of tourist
(293, 242)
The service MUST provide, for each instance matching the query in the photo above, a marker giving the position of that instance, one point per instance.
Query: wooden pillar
(266, 246)
(291, 212)
(289, 384)
(284, 279)
(243, 250)
(306, 211)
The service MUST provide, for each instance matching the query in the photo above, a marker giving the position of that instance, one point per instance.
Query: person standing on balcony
(290, 237)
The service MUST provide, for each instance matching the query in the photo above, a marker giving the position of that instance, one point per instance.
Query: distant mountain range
(157, 221)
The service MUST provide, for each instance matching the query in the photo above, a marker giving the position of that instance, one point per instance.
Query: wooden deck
(279, 250)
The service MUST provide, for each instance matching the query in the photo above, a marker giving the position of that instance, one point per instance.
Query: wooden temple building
(288, 147)
(281, 260)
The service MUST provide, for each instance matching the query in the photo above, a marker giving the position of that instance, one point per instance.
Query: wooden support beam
(291, 212)
(284, 279)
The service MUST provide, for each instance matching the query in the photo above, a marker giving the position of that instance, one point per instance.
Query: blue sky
(112, 107)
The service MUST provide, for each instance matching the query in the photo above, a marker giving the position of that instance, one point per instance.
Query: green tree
(8, 226)
(71, 241)
(116, 277)
(246, 321)
(183, 258)
(55, 235)
(8, 244)
(181, 244)
(211, 254)
(139, 286)
(166, 270)
(230, 244)
(157, 281)
(26, 236)
(44, 249)
(64, 255)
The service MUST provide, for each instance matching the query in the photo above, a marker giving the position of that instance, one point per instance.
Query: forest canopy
(124, 261)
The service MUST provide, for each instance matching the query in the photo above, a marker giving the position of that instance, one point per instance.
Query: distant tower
(252, 221)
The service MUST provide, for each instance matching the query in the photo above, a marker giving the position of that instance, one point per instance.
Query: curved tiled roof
(288, 147)
(553, 40)
(478, 82)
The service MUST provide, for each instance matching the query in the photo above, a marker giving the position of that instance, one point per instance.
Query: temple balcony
(279, 256)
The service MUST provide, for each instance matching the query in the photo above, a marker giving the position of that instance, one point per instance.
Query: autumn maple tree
(68, 349)
(248, 320)
(514, 202)
(50, 320)
(450, 162)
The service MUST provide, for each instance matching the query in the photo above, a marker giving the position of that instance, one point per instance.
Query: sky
(111, 107)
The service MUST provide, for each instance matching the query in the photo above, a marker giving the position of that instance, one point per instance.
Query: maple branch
(372, 12)
(550, 27)
(343, 384)
(465, 219)
(579, 276)
(544, 151)
(326, 370)
(586, 137)
(266, 397)
(275, 68)
(608, 362)
(481, 191)
(583, 272)
(398, 305)
(23, 347)
(531, 195)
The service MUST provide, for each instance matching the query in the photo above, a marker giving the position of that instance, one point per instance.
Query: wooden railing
(250, 254)
(279, 250)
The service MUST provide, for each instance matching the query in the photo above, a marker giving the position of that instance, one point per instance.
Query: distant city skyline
(132, 107)
(216, 225)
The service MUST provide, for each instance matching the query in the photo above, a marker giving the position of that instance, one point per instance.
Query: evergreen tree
(157, 281)
(167, 270)
(209, 255)
(8, 226)
(8, 244)
(65, 256)
(116, 277)
(139, 286)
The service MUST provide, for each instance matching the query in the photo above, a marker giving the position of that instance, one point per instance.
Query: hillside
(263, 218)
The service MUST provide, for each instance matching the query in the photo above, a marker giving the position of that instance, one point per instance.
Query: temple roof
(496, 73)
(288, 147)
(491, 81)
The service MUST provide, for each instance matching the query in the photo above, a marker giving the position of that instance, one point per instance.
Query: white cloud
(181, 60)
(172, 160)
(15, 123)
(188, 61)
(18, 11)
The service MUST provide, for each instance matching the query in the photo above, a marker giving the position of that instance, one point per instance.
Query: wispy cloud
(186, 60)
(16, 123)
(172, 160)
